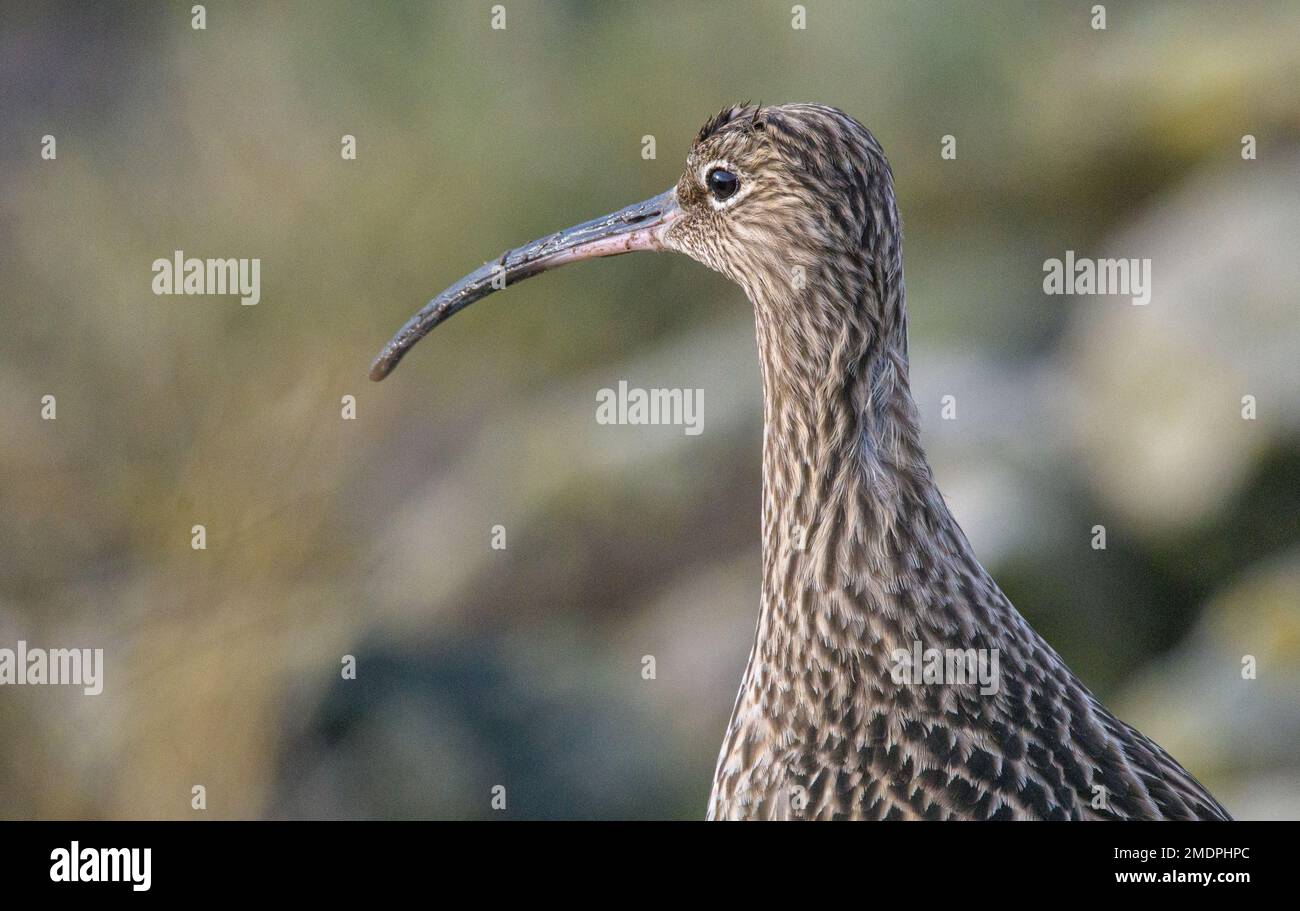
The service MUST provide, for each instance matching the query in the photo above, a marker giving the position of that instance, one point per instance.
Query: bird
(852, 704)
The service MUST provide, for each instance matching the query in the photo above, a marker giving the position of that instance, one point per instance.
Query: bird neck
(855, 532)
(861, 557)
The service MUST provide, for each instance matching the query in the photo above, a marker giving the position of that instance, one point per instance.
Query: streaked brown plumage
(861, 557)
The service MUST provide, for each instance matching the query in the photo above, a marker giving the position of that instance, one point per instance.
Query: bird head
(794, 203)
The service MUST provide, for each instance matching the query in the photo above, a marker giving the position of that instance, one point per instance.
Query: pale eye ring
(722, 184)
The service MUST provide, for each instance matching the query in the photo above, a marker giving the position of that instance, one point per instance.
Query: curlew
(866, 575)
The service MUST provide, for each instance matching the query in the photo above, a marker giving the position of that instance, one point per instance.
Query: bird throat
(848, 495)
(856, 536)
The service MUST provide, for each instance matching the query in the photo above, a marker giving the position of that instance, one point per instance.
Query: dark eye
(723, 184)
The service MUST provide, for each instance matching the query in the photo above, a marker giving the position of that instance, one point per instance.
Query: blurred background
(371, 537)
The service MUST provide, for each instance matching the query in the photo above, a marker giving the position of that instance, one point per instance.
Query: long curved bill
(638, 227)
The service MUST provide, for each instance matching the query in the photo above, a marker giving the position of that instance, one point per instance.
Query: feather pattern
(862, 560)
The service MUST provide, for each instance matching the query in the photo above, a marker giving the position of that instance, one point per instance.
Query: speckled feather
(861, 555)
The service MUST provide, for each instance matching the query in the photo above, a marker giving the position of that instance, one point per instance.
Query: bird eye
(723, 184)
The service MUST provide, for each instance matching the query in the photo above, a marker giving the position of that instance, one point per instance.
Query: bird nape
(890, 678)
